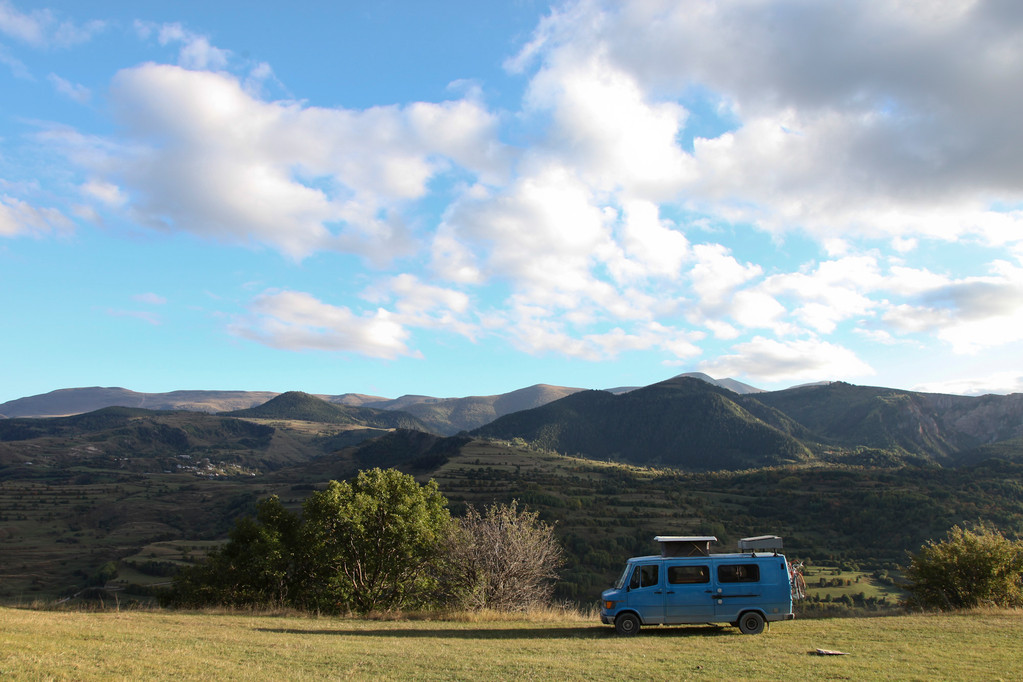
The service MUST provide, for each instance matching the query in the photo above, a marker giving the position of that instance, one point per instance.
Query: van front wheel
(751, 623)
(627, 624)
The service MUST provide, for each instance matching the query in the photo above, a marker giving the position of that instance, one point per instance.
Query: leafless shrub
(504, 559)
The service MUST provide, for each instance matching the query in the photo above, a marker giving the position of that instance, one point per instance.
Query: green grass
(854, 582)
(165, 645)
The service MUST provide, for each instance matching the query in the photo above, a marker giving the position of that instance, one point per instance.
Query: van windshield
(625, 576)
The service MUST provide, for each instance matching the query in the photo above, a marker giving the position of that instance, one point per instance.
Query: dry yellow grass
(56, 645)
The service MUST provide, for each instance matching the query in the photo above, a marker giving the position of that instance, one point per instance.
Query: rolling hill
(453, 415)
(932, 426)
(295, 405)
(683, 423)
(70, 401)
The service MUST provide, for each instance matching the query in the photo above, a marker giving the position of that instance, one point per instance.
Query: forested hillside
(682, 423)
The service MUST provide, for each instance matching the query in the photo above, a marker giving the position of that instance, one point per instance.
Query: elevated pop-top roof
(763, 543)
(685, 545)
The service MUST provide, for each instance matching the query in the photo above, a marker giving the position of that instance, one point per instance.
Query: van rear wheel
(627, 624)
(751, 623)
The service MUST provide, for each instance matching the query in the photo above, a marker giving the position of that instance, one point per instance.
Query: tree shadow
(589, 632)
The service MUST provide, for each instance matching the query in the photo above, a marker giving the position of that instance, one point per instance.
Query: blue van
(688, 584)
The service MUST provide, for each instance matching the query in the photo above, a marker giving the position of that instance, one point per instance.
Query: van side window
(644, 576)
(739, 573)
(683, 575)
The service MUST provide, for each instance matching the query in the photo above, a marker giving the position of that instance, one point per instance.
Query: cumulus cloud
(201, 154)
(533, 330)
(835, 291)
(969, 314)
(543, 232)
(716, 273)
(866, 116)
(603, 121)
(771, 360)
(295, 320)
(419, 304)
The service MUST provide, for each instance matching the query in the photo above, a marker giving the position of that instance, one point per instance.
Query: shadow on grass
(595, 632)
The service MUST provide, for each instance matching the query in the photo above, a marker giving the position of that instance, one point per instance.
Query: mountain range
(841, 471)
(445, 416)
(686, 423)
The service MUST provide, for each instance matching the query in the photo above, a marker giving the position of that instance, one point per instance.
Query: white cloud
(543, 233)
(17, 67)
(203, 155)
(105, 193)
(1001, 383)
(419, 304)
(837, 290)
(294, 320)
(535, 331)
(769, 360)
(602, 120)
(969, 314)
(196, 51)
(654, 247)
(855, 117)
(43, 28)
(19, 217)
(75, 91)
(757, 310)
(717, 273)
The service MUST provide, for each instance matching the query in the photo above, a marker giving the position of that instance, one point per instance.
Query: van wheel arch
(751, 622)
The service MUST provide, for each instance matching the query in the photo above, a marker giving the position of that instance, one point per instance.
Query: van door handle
(658, 592)
(671, 591)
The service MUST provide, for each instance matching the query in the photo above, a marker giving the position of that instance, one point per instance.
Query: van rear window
(682, 575)
(739, 573)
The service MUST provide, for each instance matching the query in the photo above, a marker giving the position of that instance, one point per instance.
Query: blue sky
(465, 198)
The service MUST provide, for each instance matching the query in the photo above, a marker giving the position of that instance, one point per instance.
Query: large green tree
(259, 565)
(966, 569)
(375, 542)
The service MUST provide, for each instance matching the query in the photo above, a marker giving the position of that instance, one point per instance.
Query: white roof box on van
(685, 545)
(761, 543)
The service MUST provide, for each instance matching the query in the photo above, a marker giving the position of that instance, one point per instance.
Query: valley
(120, 497)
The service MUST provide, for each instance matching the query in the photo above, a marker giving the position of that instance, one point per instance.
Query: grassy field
(41, 645)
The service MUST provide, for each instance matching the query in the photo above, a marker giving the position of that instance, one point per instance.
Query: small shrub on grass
(503, 559)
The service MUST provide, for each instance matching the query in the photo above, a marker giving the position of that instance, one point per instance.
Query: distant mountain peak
(295, 405)
(730, 384)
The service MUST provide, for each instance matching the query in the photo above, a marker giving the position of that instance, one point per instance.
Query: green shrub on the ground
(967, 569)
(380, 542)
